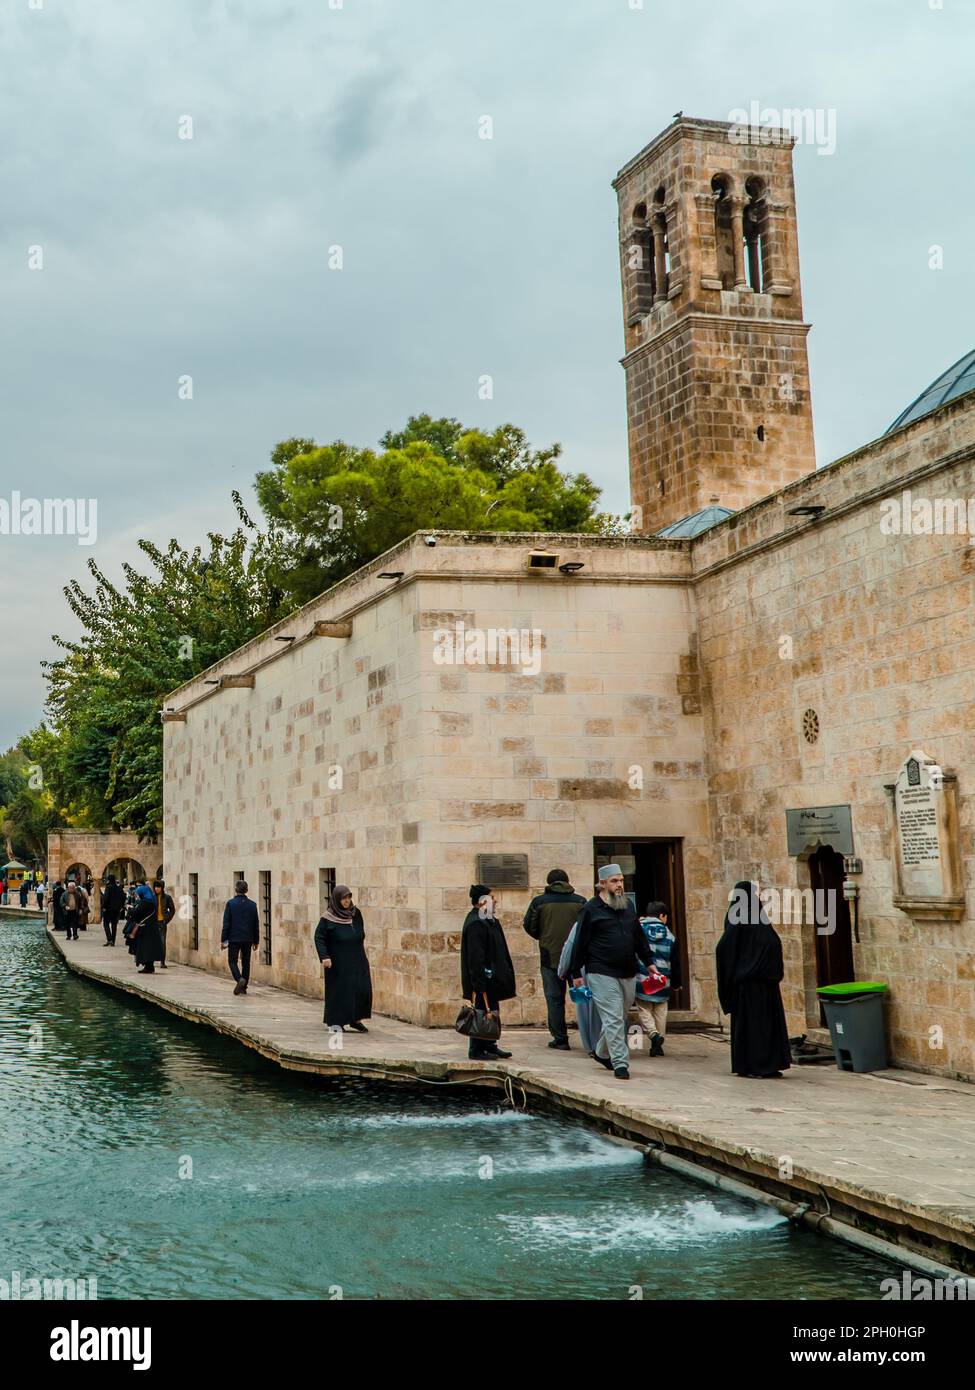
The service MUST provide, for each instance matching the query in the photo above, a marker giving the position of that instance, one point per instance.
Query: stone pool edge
(914, 1231)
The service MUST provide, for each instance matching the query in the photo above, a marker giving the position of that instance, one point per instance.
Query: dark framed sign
(503, 870)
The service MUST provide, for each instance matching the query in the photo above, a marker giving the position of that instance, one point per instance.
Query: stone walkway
(892, 1152)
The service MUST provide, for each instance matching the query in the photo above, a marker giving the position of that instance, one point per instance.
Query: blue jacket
(240, 921)
(665, 958)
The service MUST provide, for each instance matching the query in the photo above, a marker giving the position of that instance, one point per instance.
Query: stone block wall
(314, 769)
(442, 760)
(717, 378)
(874, 632)
(542, 763)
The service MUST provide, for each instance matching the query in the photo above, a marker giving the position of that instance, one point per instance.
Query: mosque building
(772, 678)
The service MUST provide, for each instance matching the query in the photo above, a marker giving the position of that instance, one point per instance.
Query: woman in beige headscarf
(340, 942)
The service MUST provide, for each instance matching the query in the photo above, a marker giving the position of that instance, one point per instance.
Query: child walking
(653, 990)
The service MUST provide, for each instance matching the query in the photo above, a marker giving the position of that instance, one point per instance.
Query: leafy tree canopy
(26, 809)
(101, 755)
(341, 506)
(331, 509)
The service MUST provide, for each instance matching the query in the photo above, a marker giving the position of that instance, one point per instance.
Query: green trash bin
(855, 1014)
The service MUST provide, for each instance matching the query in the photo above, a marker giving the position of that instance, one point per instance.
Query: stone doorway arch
(125, 870)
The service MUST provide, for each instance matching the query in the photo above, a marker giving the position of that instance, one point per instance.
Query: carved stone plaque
(926, 858)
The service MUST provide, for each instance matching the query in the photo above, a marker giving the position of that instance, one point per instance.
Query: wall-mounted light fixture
(541, 560)
(572, 567)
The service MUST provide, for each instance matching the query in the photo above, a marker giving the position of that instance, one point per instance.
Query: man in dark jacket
(71, 909)
(609, 944)
(241, 932)
(549, 919)
(165, 912)
(113, 901)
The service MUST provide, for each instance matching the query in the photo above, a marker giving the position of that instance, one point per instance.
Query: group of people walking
(340, 940)
(619, 968)
(71, 907)
(145, 911)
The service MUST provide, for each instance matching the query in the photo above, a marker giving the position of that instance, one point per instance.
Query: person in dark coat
(340, 940)
(145, 930)
(240, 935)
(549, 919)
(71, 909)
(57, 916)
(486, 972)
(750, 968)
(113, 901)
(165, 912)
(131, 901)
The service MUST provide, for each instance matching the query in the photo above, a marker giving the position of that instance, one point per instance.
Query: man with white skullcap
(609, 944)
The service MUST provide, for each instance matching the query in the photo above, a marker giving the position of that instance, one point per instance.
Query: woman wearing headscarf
(485, 966)
(145, 932)
(340, 940)
(749, 967)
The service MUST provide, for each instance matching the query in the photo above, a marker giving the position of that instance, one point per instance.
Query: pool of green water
(166, 1162)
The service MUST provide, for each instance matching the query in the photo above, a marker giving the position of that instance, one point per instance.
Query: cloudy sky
(316, 124)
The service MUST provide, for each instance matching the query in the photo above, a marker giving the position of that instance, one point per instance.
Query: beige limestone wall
(314, 768)
(659, 655)
(541, 763)
(883, 648)
(441, 761)
(717, 377)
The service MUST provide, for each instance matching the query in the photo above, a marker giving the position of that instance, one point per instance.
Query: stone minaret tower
(717, 379)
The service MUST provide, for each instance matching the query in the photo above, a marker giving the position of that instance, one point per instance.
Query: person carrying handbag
(486, 975)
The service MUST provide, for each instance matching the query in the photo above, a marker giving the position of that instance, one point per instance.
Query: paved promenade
(892, 1152)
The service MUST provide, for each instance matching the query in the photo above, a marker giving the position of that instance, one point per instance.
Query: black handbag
(481, 1024)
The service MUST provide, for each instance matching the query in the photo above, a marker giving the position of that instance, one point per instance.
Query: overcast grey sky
(358, 126)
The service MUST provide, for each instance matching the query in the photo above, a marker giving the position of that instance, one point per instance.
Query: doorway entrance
(834, 948)
(653, 868)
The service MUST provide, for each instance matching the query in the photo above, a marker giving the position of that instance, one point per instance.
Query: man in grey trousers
(609, 944)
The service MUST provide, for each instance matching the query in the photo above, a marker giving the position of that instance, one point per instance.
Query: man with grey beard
(609, 943)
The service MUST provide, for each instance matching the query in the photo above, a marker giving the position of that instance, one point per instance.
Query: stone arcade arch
(98, 852)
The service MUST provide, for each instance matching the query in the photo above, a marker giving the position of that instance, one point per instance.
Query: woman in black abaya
(340, 940)
(486, 971)
(749, 964)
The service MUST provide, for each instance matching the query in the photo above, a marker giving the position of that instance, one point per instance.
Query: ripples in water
(166, 1161)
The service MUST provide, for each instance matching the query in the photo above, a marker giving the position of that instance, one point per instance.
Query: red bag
(654, 983)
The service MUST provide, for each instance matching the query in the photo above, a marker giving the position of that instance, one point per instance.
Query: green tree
(341, 506)
(101, 755)
(13, 774)
(26, 809)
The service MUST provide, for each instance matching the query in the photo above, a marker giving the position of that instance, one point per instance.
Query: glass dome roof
(696, 523)
(958, 379)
